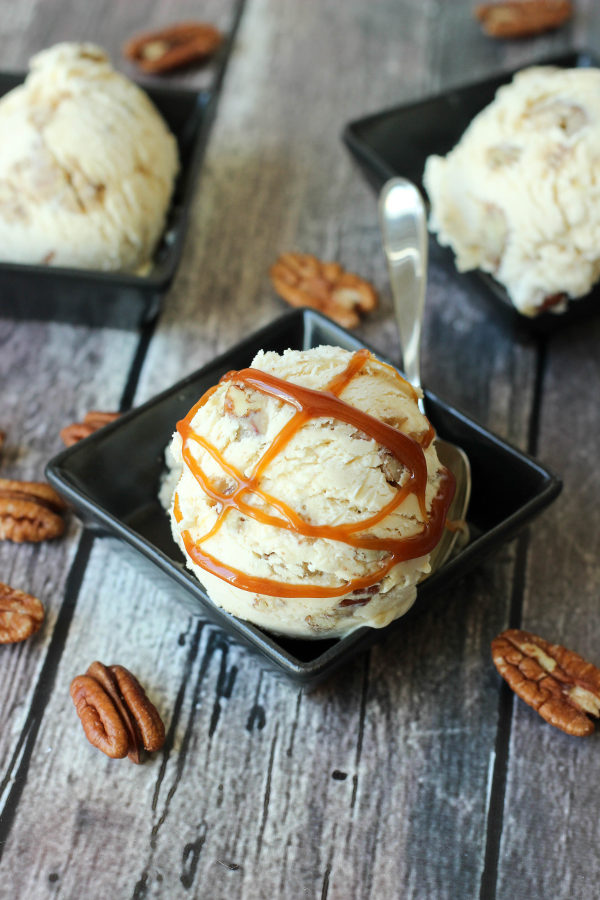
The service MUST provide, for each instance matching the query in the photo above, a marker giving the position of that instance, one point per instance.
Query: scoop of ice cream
(308, 492)
(519, 195)
(87, 165)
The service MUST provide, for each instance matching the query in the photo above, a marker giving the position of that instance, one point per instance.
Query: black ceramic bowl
(397, 141)
(93, 298)
(116, 489)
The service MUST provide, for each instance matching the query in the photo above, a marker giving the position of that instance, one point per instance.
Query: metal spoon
(403, 224)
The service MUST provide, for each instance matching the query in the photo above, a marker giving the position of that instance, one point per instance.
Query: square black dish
(397, 141)
(111, 299)
(122, 499)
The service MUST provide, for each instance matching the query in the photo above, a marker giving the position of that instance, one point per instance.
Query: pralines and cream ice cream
(87, 165)
(519, 195)
(306, 493)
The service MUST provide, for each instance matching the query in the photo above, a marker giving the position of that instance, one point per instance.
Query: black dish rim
(274, 650)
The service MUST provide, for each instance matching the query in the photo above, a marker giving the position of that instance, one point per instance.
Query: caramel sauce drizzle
(312, 404)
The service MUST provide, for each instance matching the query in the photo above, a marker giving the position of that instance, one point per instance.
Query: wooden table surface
(413, 773)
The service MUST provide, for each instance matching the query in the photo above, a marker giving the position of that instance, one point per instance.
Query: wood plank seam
(43, 688)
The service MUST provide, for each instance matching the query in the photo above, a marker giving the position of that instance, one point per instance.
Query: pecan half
(117, 716)
(553, 300)
(303, 280)
(92, 421)
(20, 615)
(30, 511)
(558, 683)
(522, 18)
(173, 46)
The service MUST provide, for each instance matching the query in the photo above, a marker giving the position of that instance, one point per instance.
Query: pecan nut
(30, 511)
(522, 18)
(117, 716)
(173, 47)
(558, 683)
(92, 421)
(21, 615)
(554, 301)
(303, 280)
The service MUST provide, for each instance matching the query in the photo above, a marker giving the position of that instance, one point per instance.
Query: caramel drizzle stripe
(314, 404)
(272, 588)
(291, 520)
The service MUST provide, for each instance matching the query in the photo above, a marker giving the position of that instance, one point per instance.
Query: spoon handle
(404, 231)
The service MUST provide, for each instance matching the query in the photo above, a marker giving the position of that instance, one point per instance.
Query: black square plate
(111, 299)
(397, 141)
(112, 478)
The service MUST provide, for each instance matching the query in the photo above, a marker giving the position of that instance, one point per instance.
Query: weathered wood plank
(561, 603)
(50, 376)
(308, 779)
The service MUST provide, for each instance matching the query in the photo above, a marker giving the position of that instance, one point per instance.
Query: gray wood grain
(561, 602)
(378, 784)
(50, 375)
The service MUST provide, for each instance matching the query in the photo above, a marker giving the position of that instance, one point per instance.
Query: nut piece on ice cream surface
(306, 493)
(87, 165)
(519, 195)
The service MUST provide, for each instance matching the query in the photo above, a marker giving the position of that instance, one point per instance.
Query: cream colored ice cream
(309, 513)
(87, 165)
(519, 195)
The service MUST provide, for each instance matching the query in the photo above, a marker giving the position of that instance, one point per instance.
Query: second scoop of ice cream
(87, 165)
(519, 195)
(309, 492)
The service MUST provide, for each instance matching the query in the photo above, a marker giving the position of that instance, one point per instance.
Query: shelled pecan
(92, 421)
(173, 46)
(117, 716)
(558, 683)
(303, 280)
(30, 511)
(21, 615)
(522, 18)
